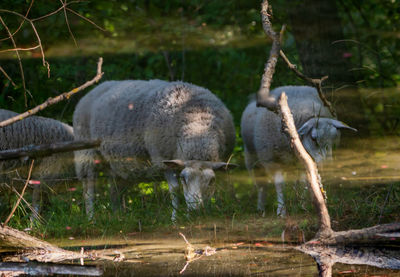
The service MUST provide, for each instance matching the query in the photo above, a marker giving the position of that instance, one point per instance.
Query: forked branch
(54, 100)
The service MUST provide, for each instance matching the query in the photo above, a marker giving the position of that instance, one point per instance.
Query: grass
(147, 208)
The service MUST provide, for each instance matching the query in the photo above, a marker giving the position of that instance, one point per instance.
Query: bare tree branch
(317, 83)
(264, 99)
(8, 77)
(56, 99)
(64, 3)
(22, 23)
(311, 168)
(34, 151)
(85, 18)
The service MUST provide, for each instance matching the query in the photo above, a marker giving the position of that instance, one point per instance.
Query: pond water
(249, 255)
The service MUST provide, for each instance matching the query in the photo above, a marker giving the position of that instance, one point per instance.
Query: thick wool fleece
(142, 123)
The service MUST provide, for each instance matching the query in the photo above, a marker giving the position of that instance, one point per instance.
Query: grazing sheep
(35, 130)
(153, 127)
(268, 147)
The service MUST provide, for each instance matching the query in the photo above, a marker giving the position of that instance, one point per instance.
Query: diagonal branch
(64, 4)
(56, 99)
(310, 166)
(8, 77)
(22, 23)
(317, 83)
(264, 99)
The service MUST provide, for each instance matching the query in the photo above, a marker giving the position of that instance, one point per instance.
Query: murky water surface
(250, 255)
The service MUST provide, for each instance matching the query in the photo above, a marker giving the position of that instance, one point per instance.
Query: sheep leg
(173, 185)
(261, 192)
(88, 194)
(279, 183)
(35, 202)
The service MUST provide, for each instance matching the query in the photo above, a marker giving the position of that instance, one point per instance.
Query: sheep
(35, 130)
(154, 128)
(267, 147)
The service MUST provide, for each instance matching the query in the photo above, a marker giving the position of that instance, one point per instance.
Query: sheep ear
(341, 125)
(223, 166)
(306, 127)
(174, 164)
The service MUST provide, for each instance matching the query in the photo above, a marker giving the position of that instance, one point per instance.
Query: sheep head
(319, 135)
(197, 179)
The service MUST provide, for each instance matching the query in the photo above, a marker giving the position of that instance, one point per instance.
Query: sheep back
(36, 130)
(142, 123)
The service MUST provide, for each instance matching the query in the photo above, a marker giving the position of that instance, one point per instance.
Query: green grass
(148, 208)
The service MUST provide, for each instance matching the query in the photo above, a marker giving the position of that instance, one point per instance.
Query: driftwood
(32, 249)
(326, 257)
(32, 268)
(34, 151)
(325, 234)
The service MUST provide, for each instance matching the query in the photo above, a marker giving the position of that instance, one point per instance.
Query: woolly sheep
(35, 130)
(266, 145)
(152, 127)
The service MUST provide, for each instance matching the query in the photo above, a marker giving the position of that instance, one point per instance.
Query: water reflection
(32, 268)
(327, 256)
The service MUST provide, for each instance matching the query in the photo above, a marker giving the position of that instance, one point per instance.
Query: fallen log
(28, 248)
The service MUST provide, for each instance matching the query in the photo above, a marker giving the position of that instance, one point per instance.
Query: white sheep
(153, 127)
(266, 145)
(35, 130)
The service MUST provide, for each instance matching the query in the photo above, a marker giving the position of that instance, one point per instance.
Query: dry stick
(56, 99)
(64, 3)
(20, 197)
(34, 151)
(317, 83)
(264, 99)
(45, 63)
(311, 169)
(192, 254)
(22, 23)
(19, 59)
(8, 77)
(20, 49)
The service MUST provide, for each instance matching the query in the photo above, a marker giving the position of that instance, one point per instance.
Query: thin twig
(19, 59)
(51, 101)
(317, 83)
(22, 23)
(45, 63)
(8, 77)
(85, 18)
(22, 194)
(67, 22)
(20, 49)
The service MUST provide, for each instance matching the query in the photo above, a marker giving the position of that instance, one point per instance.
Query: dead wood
(29, 248)
(264, 99)
(313, 177)
(325, 234)
(54, 100)
(35, 151)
